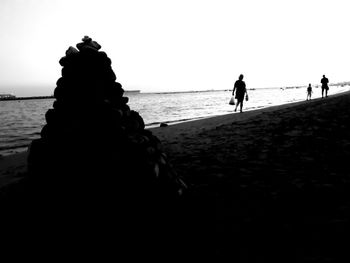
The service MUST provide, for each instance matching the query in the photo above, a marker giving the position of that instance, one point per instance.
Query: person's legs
(237, 104)
(241, 106)
(322, 92)
(326, 93)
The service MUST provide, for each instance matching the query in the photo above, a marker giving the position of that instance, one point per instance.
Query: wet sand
(266, 185)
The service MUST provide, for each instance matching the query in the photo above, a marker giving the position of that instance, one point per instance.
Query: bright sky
(177, 45)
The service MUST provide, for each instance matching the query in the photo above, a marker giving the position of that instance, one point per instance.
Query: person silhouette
(324, 87)
(240, 89)
(309, 92)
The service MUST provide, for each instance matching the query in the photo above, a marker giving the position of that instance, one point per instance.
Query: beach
(266, 185)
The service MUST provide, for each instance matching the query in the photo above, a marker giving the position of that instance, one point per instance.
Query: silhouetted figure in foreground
(309, 92)
(240, 89)
(325, 88)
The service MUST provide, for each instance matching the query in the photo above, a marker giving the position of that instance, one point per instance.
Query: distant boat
(132, 91)
(13, 97)
(7, 96)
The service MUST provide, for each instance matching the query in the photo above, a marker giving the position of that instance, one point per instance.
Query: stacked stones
(93, 145)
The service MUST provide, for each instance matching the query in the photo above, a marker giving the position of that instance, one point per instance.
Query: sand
(12, 168)
(265, 185)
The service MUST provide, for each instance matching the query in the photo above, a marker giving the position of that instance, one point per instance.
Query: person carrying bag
(240, 90)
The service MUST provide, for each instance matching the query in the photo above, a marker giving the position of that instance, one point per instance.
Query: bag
(232, 101)
(246, 97)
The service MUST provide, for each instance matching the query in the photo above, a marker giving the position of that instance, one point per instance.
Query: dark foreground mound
(97, 180)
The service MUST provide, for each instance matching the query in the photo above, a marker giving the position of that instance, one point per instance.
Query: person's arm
(234, 88)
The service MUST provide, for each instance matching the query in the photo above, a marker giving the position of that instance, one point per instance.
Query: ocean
(22, 120)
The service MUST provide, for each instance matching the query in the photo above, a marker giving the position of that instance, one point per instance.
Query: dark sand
(271, 185)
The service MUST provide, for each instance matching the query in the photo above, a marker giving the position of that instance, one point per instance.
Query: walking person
(309, 92)
(240, 89)
(324, 82)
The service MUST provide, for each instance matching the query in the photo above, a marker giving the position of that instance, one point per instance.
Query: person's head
(310, 85)
(324, 76)
(241, 77)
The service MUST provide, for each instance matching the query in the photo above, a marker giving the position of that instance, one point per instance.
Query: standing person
(324, 87)
(309, 92)
(241, 90)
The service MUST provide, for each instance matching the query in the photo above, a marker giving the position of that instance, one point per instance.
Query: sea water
(22, 120)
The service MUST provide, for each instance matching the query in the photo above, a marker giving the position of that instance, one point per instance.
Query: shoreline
(206, 123)
(152, 126)
(19, 144)
(13, 164)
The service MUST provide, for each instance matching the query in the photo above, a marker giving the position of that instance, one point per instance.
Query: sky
(180, 45)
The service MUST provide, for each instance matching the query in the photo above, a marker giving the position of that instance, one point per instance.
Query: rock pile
(93, 146)
(98, 182)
